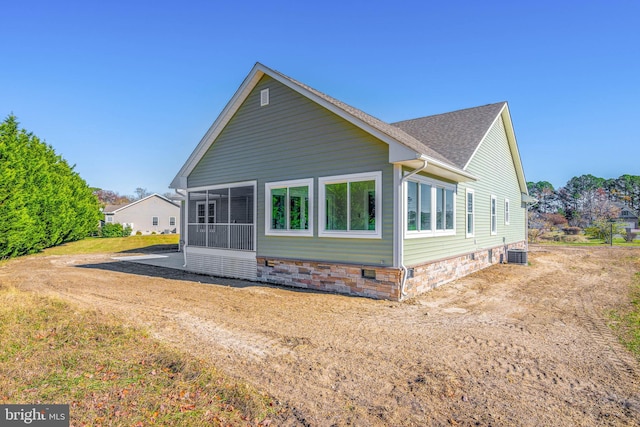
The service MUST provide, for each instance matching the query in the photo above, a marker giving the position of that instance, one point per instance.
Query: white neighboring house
(154, 213)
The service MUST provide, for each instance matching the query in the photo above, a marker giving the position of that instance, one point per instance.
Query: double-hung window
(494, 215)
(154, 221)
(470, 206)
(430, 207)
(289, 208)
(419, 206)
(350, 205)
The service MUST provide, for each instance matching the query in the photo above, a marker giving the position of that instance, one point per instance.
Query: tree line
(43, 201)
(586, 198)
(585, 202)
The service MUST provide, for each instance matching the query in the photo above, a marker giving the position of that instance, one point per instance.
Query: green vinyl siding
(294, 138)
(494, 167)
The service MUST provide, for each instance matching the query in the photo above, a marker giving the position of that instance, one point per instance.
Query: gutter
(401, 223)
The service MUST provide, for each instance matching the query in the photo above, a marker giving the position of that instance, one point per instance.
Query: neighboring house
(628, 217)
(293, 187)
(152, 214)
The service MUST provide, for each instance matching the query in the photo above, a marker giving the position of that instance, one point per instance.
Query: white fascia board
(439, 169)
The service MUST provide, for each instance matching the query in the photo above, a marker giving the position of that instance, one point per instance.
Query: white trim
(268, 209)
(493, 218)
(507, 212)
(356, 177)
(217, 186)
(435, 185)
(473, 213)
(157, 221)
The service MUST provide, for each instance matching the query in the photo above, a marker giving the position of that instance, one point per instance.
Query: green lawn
(116, 244)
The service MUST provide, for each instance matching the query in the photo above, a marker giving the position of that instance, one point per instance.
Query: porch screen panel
(197, 205)
(241, 226)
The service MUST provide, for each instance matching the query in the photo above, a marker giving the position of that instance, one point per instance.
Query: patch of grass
(110, 374)
(114, 244)
(626, 321)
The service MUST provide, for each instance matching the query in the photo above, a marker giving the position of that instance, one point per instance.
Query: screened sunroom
(222, 217)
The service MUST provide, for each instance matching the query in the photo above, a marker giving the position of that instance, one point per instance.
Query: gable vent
(264, 97)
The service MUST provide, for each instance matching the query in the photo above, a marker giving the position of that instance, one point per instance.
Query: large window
(350, 205)
(289, 208)
(470, 213)
(494, 215)
(430, 207)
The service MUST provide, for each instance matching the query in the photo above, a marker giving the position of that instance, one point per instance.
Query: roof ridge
(450, 112)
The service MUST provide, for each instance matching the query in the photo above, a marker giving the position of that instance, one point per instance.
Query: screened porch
(222, 218)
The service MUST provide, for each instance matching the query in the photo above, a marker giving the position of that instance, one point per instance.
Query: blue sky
(126, 89)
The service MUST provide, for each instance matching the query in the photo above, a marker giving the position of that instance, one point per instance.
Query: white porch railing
(224, 236)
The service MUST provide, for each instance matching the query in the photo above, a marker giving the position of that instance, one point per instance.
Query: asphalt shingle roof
(455, 135)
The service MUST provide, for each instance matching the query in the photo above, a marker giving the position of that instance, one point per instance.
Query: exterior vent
(517, 256)
(264, 97)
(368, 273)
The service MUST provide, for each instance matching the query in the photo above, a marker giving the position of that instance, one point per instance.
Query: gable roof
(111, 209)
(446, 146)
(456, 134)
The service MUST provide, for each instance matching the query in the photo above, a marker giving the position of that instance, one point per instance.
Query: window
(200, 212)
(430, 207)
(418, 206)
(109, 218)
(350, 205)
(506, 211)
(172, 220)
(494, 215)
(154, 220)
(470, 213)
(289, 208)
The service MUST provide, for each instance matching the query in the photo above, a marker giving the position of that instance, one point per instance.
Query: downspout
(402, 226)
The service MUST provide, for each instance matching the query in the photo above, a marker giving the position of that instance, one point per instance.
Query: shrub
(630, 235)
(572, 230)
(603, 230)
(115, 230)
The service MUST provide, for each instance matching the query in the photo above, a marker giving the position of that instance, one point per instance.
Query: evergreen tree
(43, 201)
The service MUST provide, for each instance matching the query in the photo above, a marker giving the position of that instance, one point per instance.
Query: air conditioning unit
(517, 256)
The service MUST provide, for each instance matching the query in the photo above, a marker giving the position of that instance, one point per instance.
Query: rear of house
(293, 187)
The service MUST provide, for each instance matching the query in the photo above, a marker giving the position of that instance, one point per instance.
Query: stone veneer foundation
(376, 281)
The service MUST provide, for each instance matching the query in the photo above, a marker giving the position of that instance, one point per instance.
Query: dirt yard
(511, 345)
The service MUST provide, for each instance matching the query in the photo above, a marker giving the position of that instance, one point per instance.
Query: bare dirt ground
(511, 345)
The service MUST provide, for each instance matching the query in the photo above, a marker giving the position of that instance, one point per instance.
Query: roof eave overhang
(437, 168)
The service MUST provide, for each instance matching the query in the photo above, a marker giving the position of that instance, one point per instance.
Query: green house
(293, 187)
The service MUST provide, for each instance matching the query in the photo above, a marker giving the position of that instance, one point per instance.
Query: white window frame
(493, 215)
(109, 218)
(471, 193)
(322, 206)
(507, 212)
(268, 211)
(172, 221)
(435, 185)
(155, 219)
